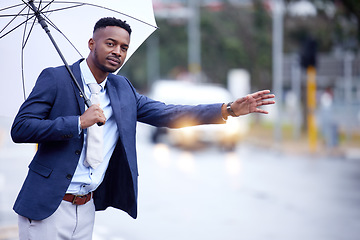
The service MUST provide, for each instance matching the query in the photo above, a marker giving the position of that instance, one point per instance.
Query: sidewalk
(8, 232)
(264, 137)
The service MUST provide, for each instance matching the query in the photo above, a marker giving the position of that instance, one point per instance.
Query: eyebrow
(111, 39)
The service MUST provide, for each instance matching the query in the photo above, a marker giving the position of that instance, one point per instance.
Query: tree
(339, 23)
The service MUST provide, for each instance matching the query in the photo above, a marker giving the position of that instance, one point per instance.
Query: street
(248, 194)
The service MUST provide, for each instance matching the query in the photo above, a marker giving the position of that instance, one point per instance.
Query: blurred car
(183, 92)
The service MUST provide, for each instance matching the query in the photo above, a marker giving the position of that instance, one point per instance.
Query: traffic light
(308, 53)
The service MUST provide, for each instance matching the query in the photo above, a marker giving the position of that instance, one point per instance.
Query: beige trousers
(69, 222)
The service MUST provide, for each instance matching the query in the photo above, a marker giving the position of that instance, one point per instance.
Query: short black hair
(111, 21)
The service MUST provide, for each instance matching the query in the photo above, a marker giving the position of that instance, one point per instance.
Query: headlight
(232, 127)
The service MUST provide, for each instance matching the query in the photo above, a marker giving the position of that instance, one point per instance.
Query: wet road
(248, 194)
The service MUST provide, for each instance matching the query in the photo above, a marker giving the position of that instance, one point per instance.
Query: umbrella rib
(94, 5)
(14, 6)
(24, 41)
(59, 9)
(14, 17)
(79, 4)
(28, 35)
(53, 25)
(48, 4)
(67, 39)
(19, 25)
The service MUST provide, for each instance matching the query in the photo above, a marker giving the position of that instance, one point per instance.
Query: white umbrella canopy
(75, 20)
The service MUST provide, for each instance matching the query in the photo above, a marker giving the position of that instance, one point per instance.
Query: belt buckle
(75, 197)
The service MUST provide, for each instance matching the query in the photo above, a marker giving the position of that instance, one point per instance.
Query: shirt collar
(87, 75)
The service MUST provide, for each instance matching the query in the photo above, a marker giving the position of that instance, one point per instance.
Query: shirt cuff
(79, 126)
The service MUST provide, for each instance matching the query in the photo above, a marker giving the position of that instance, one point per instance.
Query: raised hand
(251, 102)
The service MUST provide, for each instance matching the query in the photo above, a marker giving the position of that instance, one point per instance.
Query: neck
(98, 74)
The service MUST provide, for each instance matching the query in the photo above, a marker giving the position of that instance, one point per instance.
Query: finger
(102, 117)
(266, 103)
(259, 99)
(260, 93)
(267, 96)
(258, 110)
(100, 120)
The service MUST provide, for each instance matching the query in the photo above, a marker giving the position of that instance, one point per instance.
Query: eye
(110, 44)
(124, 49)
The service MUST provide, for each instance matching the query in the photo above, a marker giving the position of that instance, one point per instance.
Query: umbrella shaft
(46, 28)
(38, 16)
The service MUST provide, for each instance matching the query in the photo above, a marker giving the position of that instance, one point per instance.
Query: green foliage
(237, 37)
(336, 24)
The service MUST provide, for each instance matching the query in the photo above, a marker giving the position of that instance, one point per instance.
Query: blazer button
(77, 152)
(69, 176)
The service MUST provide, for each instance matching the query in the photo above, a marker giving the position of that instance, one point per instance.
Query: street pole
(296, 90)
(311, 106)
(194, 40)
(348, 72)
(153, 59)
(278, 15)
(308, 61)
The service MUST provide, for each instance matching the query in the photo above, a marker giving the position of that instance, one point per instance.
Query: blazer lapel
(80, 99)
(115, 102)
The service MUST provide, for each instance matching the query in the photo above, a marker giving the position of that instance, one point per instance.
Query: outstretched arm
(248, 104)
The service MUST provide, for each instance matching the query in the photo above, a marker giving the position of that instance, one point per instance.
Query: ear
(91, 44)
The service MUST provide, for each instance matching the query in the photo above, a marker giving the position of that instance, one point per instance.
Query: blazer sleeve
(160, 114)
(37, 120)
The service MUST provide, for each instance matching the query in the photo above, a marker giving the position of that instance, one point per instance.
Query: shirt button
(69, 176)
(77, 152)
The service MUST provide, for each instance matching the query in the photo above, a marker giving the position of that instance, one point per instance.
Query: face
(108, 49)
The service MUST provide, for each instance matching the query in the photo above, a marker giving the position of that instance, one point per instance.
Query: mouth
(113, 61)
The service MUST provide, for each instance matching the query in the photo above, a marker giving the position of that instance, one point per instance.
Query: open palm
(252, 102)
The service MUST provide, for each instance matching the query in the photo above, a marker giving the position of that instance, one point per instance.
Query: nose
(117, 51)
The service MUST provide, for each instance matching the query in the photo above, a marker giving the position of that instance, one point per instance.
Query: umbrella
(25, 48)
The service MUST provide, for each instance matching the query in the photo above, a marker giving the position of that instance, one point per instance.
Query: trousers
(69, 222)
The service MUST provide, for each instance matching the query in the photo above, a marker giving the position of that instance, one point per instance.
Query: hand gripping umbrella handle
(44, 25)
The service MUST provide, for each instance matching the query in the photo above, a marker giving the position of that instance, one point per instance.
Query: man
(64, 186)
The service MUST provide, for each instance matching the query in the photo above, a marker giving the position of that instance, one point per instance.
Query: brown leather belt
(78, 199)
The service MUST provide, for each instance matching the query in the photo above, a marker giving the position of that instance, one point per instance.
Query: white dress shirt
(87, 179)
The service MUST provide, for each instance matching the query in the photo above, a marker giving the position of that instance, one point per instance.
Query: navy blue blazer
(49, 117)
